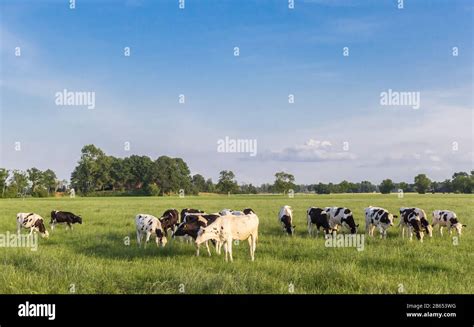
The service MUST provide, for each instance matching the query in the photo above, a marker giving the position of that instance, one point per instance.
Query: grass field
(95, 258)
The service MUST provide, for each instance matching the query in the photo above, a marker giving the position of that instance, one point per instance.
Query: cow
(227, 228)
(285, 217)
(146, 226)
(447, 218)
(64, 217)
(191, 225)
(225, 212)
(169, 220)
(380, 218)
(425, 225)
(31, 221)
(188, 211)
(318, 217)
(411, 218)
(339, 216)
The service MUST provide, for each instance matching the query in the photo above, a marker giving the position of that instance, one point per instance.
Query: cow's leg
(197, 249)
(207, 248)
(18, 227)
(450, 231)
(52, 226)
(225, 250)
(229, 248)
(148, 235)
(441, 230)
(410, 232)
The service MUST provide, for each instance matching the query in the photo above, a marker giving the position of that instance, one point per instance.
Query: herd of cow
(226, 226)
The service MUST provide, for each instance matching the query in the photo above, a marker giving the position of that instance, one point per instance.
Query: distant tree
(462, 182)
(367, 187)
(321, 188)
(18, 182)
(248, 189)
(403, 186)
(386, 186)
(210, 187)
(4, 173)
(35, 176)
(49, 181)
(227, 182)
(172, 174)
(283, 182)
(199, 183)
(422, 183)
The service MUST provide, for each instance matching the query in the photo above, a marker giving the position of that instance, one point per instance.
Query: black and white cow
(425, 225)
(447, 218)
(64, 217)
(146, 226)
(380, 218)
(188, 211)
(318, 217)
(169, 220)
(191, 226)
(411, 218)
(341, 217)
(285, 217)
(31, 221)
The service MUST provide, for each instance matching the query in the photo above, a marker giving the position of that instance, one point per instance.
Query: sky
(336, 129)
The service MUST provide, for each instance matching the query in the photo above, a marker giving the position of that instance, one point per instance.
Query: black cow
(64, 217)
(320, 218)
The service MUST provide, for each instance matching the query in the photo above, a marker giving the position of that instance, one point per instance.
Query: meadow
(96, 258)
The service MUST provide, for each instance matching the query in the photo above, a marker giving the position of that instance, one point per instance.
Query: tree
(18, 182)
(403, 186)
(422, 183)
(226, 183)
(199, 183)
(88, 175)
(49, 181)
(462, 182)
(386, 186)
(283, 182)
(367, 187)
(34, 175)
(172, 174)
(4, 173)
(210, 187)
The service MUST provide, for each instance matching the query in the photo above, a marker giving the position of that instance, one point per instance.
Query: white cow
(227, 228)
(380, 218)
(31, 221)
(147, 225)
(285, 217)
(447, 218)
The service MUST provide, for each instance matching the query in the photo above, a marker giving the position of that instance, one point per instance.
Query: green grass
(95, 259)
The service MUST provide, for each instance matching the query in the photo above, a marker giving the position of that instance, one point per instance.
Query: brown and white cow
(169, 220)
(447, 218)
(191, 225)
(31, 221)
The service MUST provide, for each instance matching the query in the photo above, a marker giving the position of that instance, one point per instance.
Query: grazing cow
(341, 217)
(188, 211)
(425, 225)
(64, 217)
(318, 217)
(285, 217)
(447, 218)
(169, 220)
(248, 211)
(147, 225)
(380, 218)
(191, 225)
(225, 229)
(411, 218)
(31, 221)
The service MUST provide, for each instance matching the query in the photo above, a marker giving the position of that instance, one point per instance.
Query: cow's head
(349, 222)
(77, 219)
(414, 222)
(458, 227)
(210, 232)
(287, 226)
(39, 225)
(426, 227)
(160, 237)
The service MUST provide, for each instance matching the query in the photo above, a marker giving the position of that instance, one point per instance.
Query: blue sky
(282, 51)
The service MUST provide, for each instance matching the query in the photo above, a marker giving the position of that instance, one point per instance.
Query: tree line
(98, 174)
